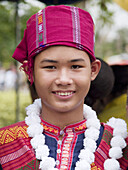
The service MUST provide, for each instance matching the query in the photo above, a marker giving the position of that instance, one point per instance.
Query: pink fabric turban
(56, 25)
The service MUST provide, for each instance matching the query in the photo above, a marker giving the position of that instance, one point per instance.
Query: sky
(36, 3)
(120, 19)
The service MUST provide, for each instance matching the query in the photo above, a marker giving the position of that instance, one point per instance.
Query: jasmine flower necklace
(86, 156)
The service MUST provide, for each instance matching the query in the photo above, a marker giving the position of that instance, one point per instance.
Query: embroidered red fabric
(16, 151)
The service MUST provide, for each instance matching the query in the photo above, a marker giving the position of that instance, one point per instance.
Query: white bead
(59, 142)
(61, 132)
(57, 162)
(58, 151)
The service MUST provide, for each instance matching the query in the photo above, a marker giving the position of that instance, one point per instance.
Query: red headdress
(56, 25)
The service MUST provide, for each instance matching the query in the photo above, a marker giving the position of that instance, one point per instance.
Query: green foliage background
(7, 106)
(8, 27)
(7, 40)
(7, 47)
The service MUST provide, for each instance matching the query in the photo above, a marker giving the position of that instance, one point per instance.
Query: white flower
(88, 112)
(119, 126)
(121, 123)
(90, 144)
(47, 163)
(117, 122)
(115, 152)
(120, 132)
(32, 119)
(92, 133)
(93, 123)
(42, 151)
(86, 154)
(38, 103)
(34, 130)
(82, 165)
(37, 140)
(111, 164)
(33, 109)
(111, 122)
(82, 154)
(118, 141)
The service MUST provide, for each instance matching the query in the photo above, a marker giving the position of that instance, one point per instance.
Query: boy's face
(62, 77)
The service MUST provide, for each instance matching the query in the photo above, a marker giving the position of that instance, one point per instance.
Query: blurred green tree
(7, 32)
(8, 24)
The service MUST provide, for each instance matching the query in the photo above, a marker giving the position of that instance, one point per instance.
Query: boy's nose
(64, 78)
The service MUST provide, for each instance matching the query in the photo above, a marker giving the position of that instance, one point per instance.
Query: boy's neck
(62, 119)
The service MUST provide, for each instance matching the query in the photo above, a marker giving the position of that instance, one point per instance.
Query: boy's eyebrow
(54, 61)
(49, 60)
(75, 60)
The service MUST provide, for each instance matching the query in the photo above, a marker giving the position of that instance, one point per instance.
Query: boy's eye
(49, 67)
(76, 66)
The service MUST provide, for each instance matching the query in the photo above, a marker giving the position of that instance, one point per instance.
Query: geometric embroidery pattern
(107, 136)
(34, 164)
(94, 167)
(81, 127)
(50, 129)
(40, 30)
(9, 135)
(55, 131)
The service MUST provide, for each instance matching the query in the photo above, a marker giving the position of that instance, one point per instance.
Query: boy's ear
(95, 67)
(25, 69)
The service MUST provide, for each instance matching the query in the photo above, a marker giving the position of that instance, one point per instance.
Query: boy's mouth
(62, 93)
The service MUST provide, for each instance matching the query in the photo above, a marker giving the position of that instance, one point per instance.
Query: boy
(58, 132)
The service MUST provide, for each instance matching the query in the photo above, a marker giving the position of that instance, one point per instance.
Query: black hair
(102, 85)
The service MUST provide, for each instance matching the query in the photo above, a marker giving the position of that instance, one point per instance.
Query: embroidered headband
(55, 25)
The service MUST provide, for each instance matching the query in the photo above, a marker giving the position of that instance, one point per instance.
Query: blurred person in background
(2, 77)
(10, 78)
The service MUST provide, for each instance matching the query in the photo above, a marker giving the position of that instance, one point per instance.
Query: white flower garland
(86, 156)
